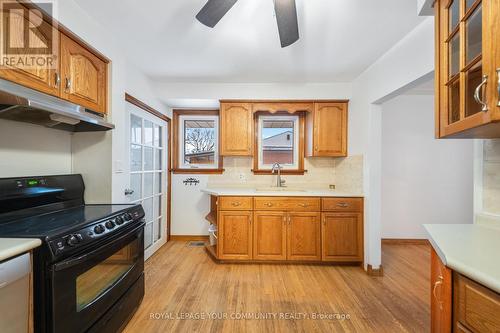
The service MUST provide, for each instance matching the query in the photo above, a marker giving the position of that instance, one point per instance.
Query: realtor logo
(27, 39)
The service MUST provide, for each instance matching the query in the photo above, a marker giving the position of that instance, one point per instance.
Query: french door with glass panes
(148, 147)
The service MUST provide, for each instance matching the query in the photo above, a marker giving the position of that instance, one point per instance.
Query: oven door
(84, 287)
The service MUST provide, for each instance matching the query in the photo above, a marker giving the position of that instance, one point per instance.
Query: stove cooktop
(51, 225)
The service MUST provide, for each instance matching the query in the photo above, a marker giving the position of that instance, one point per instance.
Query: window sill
(197, 171)
(283, 172)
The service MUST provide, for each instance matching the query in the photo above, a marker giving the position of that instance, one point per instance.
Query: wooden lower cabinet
(441, 289)
(304, 236)
(342, 237)
(286, 229)
(235, 235)
(459, 304)
(269, 235)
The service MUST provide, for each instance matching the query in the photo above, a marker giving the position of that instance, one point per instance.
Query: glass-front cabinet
(467, 68)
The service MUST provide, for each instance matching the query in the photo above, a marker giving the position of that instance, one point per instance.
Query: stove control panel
(94, 231)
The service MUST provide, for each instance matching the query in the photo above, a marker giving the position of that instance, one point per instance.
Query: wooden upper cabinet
(235, 235)
(327, 130)
(441, 296)
(27, 32)
(236, 129)
(342, 237)
(467, 68)
(269, 235)
(84, 76)
(304, 236)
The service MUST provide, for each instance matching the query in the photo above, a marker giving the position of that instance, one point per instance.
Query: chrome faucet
(277, 168)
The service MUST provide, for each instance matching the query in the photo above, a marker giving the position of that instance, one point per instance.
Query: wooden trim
(301, 152)
(175, 142)
(405, 241)
(141, 105)
(198, 171)
(374, 272)
(187, 238)
(145, 107)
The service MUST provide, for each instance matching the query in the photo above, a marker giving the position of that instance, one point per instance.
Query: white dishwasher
(15, 294)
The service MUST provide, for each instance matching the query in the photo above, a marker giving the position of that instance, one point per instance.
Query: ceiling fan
(286, 17)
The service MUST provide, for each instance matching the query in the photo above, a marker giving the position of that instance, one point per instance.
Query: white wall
(31, 150)
(424, 180)
(405, 63)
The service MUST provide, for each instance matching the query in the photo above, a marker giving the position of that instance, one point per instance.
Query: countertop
(470, 249)
(234, 191)
(11, 247)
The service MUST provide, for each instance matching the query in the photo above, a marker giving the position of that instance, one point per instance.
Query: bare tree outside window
(199, 141)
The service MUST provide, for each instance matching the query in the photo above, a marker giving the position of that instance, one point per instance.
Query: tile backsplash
(345, 173)
(491, 183)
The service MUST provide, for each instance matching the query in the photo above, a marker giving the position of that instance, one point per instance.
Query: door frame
(141, 105)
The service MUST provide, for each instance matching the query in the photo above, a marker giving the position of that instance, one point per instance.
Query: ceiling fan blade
(213, 11)
(286, 17)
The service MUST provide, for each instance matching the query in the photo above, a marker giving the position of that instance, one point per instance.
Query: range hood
(19, 103)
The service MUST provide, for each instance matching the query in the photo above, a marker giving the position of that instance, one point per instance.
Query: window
(197, 141)
(278, 142)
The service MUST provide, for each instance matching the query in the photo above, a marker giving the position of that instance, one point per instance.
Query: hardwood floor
(184, 287)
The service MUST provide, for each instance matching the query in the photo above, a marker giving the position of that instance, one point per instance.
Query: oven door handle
(65, 264)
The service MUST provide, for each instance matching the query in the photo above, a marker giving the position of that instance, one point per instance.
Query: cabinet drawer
(476, 307)
(235, 203)
(297, 204)
(342, 204)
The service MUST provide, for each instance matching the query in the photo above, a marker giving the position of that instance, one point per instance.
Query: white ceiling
(339, 38)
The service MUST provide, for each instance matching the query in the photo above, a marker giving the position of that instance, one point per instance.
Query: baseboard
(375, 272)
(185, 238)
(405, 241)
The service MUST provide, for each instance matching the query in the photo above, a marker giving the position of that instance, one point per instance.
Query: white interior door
(148, 151)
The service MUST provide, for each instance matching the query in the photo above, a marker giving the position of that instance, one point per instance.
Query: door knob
(129, 191)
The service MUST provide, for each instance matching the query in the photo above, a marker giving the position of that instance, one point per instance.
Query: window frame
(299, 140)
(179, 165)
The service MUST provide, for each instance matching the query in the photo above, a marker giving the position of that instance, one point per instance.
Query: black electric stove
(88, 273)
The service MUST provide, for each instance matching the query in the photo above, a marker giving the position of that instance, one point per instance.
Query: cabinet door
(330, 129)
(441, 285)
(304, 236)
(84, 76)
(269, 236)
(235, 235)
(236, 129)
(492, 58)
(342, 237)
(28, 32)
(467, 56)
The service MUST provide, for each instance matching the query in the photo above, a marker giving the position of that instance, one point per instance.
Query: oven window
(96, 281)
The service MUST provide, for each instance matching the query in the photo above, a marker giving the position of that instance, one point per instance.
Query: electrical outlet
(243, 177)
(332, 187)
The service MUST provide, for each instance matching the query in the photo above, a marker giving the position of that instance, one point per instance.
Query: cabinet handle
(343, 204)
(437, 284)
(316, 148)
(57, 80)
(268, 204)
(478, 91)
(498, 85)
(324, 221)
(236, 204)
(303, 205)
(68, 83)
